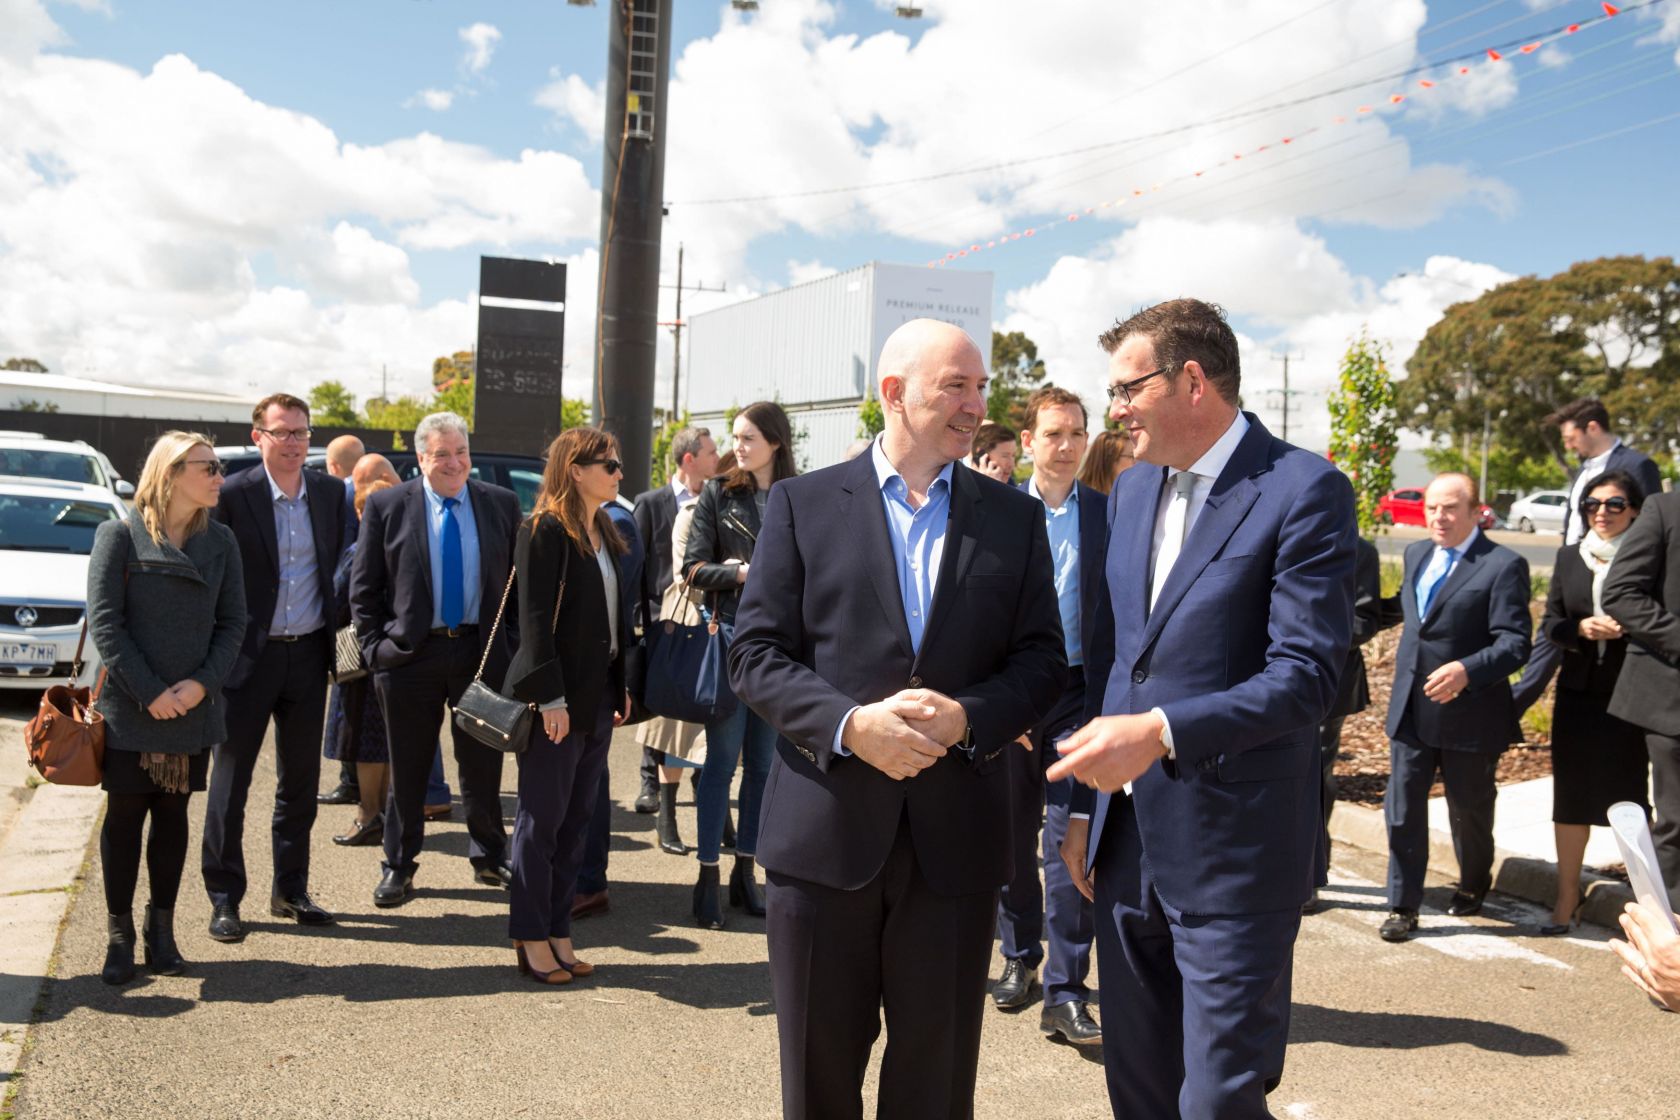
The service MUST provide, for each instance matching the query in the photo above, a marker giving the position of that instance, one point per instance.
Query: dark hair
(1102, 460)
(285, 400)
(1629, 486)
(988, 436)
(1581, 413)
(1049, 397)
(772, 424)
(1185, 330)
(558, 496)
(687, 442)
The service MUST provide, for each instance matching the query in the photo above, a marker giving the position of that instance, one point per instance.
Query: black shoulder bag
(493, 719)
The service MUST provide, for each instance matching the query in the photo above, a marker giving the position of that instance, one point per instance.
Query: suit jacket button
(915, 682)
(1139, 676)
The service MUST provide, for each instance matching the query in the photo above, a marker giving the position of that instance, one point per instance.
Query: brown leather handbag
(66, 739)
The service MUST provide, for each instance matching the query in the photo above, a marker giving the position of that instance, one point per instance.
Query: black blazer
(1567, 603)
(391, 577)
(726, 526)
(1642, 593)
(1353, 691)
(1480, 617)
(656, 512)
(821, 629)
(247, 507)
(566, 656)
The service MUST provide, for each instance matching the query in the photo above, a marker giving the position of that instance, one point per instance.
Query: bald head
(932, 381)
(1450, 508)
(921, 345)
(343, 454)
(373, 467)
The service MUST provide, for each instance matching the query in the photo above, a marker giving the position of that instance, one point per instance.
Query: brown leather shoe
(439, 812)
(588, 905)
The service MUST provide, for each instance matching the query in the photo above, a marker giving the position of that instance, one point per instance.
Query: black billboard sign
(521, 342)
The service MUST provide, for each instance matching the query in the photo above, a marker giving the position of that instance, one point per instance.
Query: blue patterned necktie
(454, 579)
(1433, 578)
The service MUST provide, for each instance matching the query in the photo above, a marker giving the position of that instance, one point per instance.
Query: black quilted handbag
(485, 714)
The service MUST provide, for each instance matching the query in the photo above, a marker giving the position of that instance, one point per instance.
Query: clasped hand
(176, 700)
(906, 733)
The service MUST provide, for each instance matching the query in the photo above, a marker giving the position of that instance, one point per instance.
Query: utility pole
(1285, 397)
(677, 326)
(632, 216)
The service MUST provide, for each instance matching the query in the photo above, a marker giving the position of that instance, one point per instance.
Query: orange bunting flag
(1611, 9)
(1396, 98)
(1426, 83)
(1464, 69)
(1495, 55)
(1572, 28)
(1531, 48)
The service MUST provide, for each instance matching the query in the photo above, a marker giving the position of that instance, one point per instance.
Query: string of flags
(1443, 74)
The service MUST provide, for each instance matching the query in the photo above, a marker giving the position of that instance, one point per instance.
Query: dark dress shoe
(1072, 1021)
(647, 801)
(588, 905)
(394, 888)
(340, 795)
(496, 874)
(1464, 904)
(362, 835)
(301, 909)
(225, 924)
(1399, 925)
(1014, 987)
(438, 812)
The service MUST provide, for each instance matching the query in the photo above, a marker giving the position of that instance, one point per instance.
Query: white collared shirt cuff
(1166, 734)
(840, 751)
(1079, 816)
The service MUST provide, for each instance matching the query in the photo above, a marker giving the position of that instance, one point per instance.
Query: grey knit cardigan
(159, 615)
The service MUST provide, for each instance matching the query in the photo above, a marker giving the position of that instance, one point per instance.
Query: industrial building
(813, 347)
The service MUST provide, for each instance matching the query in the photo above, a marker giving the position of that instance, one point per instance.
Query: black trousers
(837, 958)
(559, 784)
(1469, 778)
(289, 686)
(1665, 801)
(413, 698)
(1329, 743)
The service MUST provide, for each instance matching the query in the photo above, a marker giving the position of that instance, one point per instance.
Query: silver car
(1543, 510)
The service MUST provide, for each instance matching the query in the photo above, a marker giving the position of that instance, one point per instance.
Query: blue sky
(224, 194)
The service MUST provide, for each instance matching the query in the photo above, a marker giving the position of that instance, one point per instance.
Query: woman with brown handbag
(166, 610)
(570, 664)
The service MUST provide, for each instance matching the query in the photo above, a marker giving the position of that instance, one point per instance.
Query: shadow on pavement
(1393, 1031)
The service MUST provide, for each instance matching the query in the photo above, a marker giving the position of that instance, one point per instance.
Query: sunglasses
(211, 466)
(613, 465)
(1589, 506)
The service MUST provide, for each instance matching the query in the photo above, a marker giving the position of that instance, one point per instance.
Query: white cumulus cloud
(481, 40)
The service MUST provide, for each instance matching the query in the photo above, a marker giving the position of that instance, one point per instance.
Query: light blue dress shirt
(297, 600)
(469, 553)
(1062, 524)
(918, 543)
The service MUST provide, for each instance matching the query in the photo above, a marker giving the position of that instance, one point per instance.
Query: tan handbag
(66, 739)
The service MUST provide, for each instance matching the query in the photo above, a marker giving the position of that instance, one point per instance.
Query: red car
(1405, 507)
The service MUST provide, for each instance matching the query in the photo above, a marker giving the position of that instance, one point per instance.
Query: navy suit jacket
(1096, 621)
(1478, 616)
(247, 507)
(391, 577)
(821, 629)
(1242, 652)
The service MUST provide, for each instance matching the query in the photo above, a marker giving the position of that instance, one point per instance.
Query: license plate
(27, 653)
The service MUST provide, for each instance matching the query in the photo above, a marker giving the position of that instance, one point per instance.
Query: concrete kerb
(1534, 880)
(40, 861)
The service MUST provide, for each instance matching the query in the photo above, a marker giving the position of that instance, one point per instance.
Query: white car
(46, 533)
(32, 455)
(1543, 509)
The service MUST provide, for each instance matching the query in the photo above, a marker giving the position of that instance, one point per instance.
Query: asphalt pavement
(418, 1011)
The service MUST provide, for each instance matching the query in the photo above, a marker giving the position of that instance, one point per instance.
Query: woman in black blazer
(727, 516)
(1597, 759)
(570, 663)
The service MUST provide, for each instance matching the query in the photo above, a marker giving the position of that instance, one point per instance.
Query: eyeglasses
(1122, 390)
(1589, 506)
(613, 465)
(286, 435)
(211, 466)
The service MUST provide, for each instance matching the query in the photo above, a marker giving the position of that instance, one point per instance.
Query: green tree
(871, 420)
(662, 465)
(1507, 470)
(23, 365)
(573, 413)
(459, 366)
(330, 403)
(400, 415)
(34, 405)
(1016, 371)
(457, 397)
(1364, 427)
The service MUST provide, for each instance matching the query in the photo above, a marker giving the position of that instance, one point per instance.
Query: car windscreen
(61, 466)
(37, 524)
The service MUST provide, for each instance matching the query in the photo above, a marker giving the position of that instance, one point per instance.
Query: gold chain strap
(502, 606)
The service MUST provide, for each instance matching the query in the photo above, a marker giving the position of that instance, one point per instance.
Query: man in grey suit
(1465, 603)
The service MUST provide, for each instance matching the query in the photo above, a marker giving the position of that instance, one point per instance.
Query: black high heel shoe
(360, 835)
(1557, 930)
(707, 910)
(743, 888)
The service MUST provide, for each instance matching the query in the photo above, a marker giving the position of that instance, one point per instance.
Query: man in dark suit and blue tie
(870, 636)
(1230, 575)
(1465, 602)
(1053, 433)
(430, 570)
(292, 526)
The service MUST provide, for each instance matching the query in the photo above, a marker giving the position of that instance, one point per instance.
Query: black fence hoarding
(517, 389)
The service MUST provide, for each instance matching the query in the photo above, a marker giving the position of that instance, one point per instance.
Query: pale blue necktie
(1433, 577)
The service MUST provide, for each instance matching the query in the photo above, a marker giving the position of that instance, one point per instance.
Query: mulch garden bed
(1362, 764)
